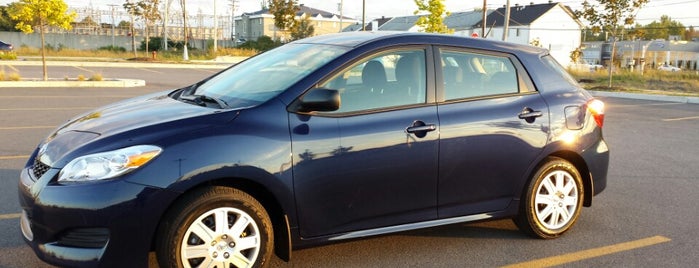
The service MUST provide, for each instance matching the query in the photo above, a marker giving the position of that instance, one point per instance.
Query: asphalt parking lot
(645, 218)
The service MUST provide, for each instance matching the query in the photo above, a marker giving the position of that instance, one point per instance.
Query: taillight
(596, 108)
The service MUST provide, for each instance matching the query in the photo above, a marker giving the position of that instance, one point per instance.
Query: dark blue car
(328, 138)
(5, 46)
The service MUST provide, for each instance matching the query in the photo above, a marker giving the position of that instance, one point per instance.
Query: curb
(641, 96)
(105, 83)
(218, 65)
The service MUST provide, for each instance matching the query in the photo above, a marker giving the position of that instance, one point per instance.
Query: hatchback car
(333, 137)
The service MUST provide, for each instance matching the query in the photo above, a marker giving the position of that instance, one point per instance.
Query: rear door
(493, 123)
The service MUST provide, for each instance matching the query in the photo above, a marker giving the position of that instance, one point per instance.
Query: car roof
(356, 39)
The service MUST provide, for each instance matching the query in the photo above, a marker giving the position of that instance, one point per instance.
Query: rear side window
(469, 75)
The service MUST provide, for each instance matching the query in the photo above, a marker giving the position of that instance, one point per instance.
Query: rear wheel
(552, 201)
(215, 227)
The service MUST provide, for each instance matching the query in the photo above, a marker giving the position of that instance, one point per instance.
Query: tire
(552, 201)
(215, 227)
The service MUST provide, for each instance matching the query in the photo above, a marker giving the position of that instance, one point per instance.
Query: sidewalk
(218, 63)
(651, 97)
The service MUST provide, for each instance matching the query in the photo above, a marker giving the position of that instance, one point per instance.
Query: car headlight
(108, 165)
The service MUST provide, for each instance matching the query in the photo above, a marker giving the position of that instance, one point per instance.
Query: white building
(551, 25)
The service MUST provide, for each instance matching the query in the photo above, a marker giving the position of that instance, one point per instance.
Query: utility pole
(485, 12)
(113, 7)
(339, 7)
(506, 26)
(165, 22)
(185, 53)
(215, 28)
(133, 32)
(363, 15)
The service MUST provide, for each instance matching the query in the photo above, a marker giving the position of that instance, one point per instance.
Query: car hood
(121, 117)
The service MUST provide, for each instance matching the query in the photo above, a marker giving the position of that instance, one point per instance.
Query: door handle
(529, 115)
(420, 129)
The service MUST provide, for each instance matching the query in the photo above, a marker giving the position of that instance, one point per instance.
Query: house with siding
(549, 25)
(250, 26)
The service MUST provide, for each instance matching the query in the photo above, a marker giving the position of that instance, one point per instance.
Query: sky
(684, 11)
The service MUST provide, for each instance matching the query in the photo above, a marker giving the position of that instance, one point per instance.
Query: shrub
(113, 48)
(14, 77)
(262, 44)
(96, 77)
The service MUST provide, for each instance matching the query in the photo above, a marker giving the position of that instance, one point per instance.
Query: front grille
(39, 168)
(85, 238)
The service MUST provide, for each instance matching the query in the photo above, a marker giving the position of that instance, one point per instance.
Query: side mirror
(317, 100)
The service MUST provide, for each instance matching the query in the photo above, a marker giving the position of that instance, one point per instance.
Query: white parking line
(681, 118)
(149, 70)
(27, 127)
(10, 216)
(46, 109)
(13, 157)
(66, 97)
(81, 68)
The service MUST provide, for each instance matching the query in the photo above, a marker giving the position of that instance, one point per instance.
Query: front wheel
(215, 227)
(552, 200)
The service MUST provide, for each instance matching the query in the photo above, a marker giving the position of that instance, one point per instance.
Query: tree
(147, 10)
(576, 55)
(41, 14)
(302, 28)
(664, 28)
(610, 16)
(284, 12)
(434, 21)
(6, 23)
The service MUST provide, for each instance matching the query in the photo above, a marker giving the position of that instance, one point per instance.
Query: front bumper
(105, 224)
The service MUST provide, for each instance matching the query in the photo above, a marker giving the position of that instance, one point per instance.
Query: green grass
(684, 83)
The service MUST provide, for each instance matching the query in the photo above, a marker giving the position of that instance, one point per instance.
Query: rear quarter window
(556, 67)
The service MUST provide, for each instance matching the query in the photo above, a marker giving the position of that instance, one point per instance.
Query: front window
(390, 79)
(265, 76)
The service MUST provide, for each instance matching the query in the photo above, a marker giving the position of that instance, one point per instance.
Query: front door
(373, 163)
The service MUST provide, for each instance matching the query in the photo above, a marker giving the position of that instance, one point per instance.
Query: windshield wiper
(202, 100)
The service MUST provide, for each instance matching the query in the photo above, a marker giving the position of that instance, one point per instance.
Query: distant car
(329, 138)
(5, 46)
(669, 68)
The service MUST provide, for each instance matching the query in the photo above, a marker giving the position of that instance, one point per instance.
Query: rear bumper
(597, 159)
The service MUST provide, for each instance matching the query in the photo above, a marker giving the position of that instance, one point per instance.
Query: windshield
(265, 76)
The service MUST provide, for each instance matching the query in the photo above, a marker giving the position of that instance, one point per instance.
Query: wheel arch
(280, 221)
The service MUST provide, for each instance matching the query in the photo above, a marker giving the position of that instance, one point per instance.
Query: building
(649, 53)
(463, 23)
(551, 25)
(373, 25)
(404, 23)
(250, 26)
